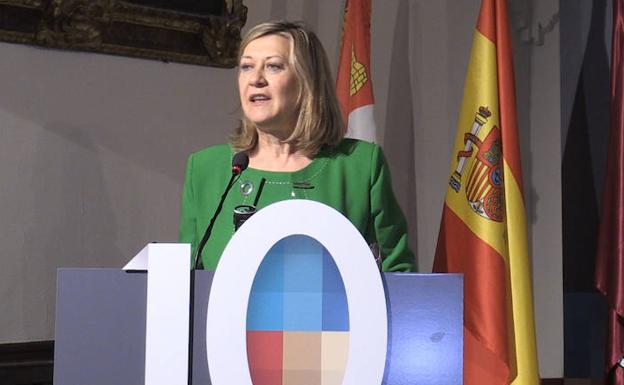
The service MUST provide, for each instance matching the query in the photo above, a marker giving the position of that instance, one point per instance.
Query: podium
(102, 315)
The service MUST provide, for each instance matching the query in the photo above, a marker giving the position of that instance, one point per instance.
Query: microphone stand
(239, 163)
(197, 263)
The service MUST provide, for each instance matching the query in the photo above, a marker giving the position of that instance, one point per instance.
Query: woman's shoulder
(354, 150)
(213, 154)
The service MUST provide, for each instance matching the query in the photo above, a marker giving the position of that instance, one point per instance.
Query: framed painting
(202, 32)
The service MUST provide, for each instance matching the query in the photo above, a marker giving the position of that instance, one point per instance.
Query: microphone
(240, 162)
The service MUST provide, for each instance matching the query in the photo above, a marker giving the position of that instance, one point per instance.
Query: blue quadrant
(303, 311)
(334, 297)
(266, 301)
(265, 311)
(303, 265)
(298, 288)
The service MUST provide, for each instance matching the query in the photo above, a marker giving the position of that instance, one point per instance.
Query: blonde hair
(319, 121)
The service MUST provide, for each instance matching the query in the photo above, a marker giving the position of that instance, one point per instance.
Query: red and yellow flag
(483, 230)
(353, 84)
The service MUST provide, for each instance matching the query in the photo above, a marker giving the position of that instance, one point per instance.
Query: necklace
(303, 185)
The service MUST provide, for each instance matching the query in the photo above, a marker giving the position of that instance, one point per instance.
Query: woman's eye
(245, 67)
(274, 67)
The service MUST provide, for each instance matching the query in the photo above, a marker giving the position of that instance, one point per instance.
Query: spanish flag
(354, 86)
(483, 230)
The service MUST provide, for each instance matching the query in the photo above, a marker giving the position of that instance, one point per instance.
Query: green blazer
(353, 178)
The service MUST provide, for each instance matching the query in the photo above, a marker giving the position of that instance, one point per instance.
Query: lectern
(284, 306)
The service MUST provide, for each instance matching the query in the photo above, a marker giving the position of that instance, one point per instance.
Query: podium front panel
(100, 328)
(199, 368)
(425, 314)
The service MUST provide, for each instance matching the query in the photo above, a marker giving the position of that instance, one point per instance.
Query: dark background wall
(585, 57)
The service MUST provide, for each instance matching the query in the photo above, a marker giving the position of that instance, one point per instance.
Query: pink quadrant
(265, 352)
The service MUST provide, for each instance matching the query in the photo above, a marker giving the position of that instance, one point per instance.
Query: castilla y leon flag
(483, 229)
(353, 84)
(610, 254)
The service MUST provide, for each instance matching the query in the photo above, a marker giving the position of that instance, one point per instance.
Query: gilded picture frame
(203, 33)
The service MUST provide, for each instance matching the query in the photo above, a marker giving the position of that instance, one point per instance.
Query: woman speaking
(293, 134)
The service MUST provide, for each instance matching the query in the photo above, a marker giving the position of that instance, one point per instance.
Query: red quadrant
(264, 352)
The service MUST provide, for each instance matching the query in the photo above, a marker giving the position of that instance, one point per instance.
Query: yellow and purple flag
(483, 229)
(354, 86)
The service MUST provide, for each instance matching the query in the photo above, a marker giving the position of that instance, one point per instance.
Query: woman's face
(268, 85)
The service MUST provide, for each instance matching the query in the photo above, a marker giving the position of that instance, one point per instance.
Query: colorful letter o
(252, 259)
